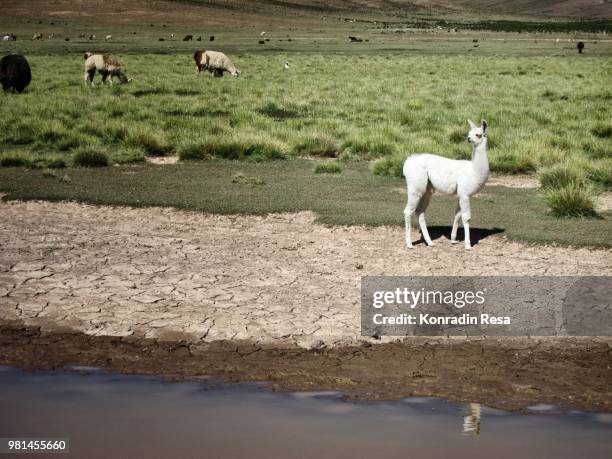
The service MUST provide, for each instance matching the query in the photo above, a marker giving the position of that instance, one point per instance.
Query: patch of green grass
(328, 167)
(603, 131)
(194, 151)
(127, 156)
(508, 163)
(15, 159)
(457, 135)
(332, 112)
(372, 146)
(391, 166)
(273, 110)
(600, 174)
(90, 157)
(317, 145)
(31, 160)
(561, 176)
(146, 139)
(355, 197)
(571, 201)
(233, 148)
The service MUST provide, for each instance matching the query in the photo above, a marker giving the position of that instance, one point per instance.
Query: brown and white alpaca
(215, 62)
(106, 65)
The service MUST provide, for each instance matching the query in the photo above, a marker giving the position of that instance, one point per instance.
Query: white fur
(426, 173)
(217, 63)
(108, 70)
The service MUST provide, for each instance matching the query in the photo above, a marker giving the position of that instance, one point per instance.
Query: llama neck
(480, 159)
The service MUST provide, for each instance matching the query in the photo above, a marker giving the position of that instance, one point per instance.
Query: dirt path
(168, 274)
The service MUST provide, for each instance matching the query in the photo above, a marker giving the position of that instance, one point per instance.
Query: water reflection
(471, 419)
(145, 417)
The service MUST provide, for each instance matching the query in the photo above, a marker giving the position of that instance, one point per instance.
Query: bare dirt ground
(120, 287)
(162, 273)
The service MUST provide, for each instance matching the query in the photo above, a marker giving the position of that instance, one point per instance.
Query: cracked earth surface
(172, 275)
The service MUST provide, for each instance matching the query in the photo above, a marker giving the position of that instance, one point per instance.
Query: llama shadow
(476, 234)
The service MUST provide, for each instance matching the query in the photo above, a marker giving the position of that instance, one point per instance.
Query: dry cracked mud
(271, 298)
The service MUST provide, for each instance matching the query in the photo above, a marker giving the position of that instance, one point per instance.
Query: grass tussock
(391, 166)
(253, 149)
(90, 157)
(319, 145)
(562, 176)
(127, 156)
(328, 167)
(32, 160)
(151, 143)
(571, 201)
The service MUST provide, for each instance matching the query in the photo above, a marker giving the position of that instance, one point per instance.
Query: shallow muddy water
(107, 415)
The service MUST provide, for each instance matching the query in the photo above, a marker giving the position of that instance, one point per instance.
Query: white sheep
(108, 37)
(426, 173)
(215, 62)
(106, 65)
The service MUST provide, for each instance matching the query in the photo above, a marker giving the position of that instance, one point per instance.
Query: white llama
(426, 173)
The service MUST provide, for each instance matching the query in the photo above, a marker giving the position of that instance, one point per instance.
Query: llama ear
(472, 124)
(484, 125)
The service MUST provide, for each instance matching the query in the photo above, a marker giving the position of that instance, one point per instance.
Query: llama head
(123, 79)
(477, 134)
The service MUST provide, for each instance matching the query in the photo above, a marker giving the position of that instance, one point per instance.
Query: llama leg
(408, 211)
(421, 208)
(455, 225)
(464, 203)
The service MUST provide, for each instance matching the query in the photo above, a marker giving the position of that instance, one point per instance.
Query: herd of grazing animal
(15, 72)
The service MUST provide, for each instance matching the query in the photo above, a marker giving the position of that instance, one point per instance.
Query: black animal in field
(188, 38)
(15, 73)
(580, 46)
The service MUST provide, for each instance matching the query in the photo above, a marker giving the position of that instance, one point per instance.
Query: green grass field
(547, 106)
(541, 110)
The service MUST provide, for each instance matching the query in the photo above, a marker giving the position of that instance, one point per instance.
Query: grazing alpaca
(215, 62)
(426, 173)
(106, 65)
(14, 73)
